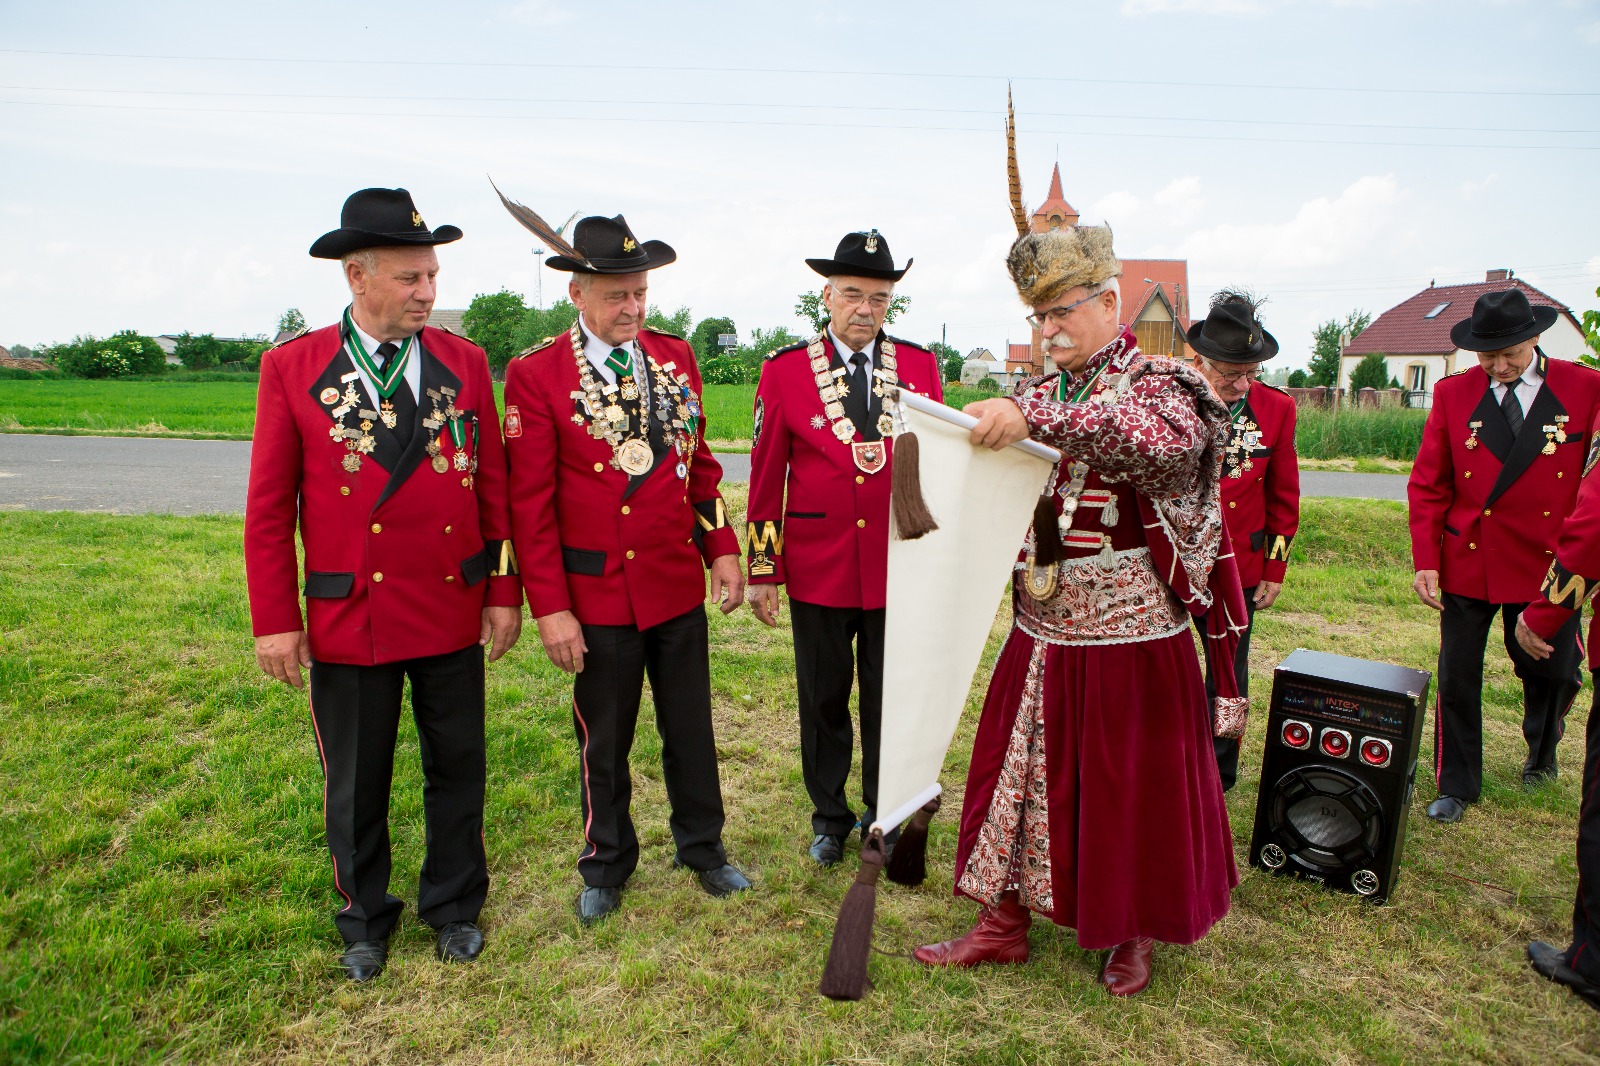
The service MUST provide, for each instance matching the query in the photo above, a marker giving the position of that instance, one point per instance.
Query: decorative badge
(761, 412)
(635, 457)
(869, 455)
(330, 396)
(513, 421)
(1472, 438)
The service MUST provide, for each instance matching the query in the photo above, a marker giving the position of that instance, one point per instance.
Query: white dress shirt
(595, 350)
(1527, 387)
(413, 372)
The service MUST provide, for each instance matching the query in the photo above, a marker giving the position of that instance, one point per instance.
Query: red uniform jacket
(830, 542)
(613, 549)
(399, 560)
(1574, 574)
(1261, 485)
(1486, 509)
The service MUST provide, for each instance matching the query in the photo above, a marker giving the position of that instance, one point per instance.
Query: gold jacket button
(1472, 545)
(378, 576)
(377, 527)
(1561, 473)
(599, 467)
(466, 482)
(625, 509)
(449, 577)
(860, 480)
(344, 490)
(447, 529)
(861, 523)
(1547, 514)
(1467, 474)
(1233, 504)
(630, 553)
(1487, 512)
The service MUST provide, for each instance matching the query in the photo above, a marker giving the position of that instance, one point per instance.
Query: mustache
(1060, 340)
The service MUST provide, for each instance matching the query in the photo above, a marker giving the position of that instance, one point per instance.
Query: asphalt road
(144, 475)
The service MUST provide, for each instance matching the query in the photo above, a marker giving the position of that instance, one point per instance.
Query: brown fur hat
(1045, 265)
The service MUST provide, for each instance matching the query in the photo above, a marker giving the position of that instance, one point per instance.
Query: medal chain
(888, 378)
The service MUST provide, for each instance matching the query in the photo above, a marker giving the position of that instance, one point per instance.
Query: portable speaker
(1337, 771)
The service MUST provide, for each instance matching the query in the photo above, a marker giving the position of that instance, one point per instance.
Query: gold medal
(630, 390)
(885, 425)
(386, 412)
(460, 460)
(352, 462)
(432, 447)
(440, 464)
(634, 457)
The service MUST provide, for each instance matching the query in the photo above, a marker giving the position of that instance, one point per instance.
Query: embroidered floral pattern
(1091, 606)
(1013, 846)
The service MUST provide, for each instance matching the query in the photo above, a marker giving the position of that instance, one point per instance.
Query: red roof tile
(1405, 328)
(1171, 276)
(1020, 353)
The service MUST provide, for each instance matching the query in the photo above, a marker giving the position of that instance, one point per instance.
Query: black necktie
(859, 401)
(1512, 408)
(405, 404)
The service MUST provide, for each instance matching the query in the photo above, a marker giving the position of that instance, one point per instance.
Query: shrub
(1360, 432)
(119, 355)
(1298, 379)
(1371, 373)
(724, 370)
(987, 385)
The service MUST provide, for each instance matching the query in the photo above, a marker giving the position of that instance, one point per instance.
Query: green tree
(1372, 372)
(723, 370)
(678, 323)
(538, 324)
(291, 320)
(198, 351)
(949, 360)
(22, 351)
(1591, 336)
(1298, 379)
(704, 338)
(811, 308)
(117, 356)
(1324, 369)
(492, 321)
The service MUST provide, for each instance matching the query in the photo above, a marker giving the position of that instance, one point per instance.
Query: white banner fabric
(943, 591)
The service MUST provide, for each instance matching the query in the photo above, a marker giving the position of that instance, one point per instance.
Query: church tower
(1055, 212)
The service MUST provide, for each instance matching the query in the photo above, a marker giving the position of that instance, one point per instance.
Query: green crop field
(165, 894)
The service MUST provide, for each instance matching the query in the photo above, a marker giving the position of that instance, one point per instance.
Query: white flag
(943, 591)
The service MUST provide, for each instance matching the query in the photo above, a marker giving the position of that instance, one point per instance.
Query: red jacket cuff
(717, 543)
(1545, 618)
(504, 592)
(1274, 570)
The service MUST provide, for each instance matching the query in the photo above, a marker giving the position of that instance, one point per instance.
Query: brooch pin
(1561, 428)
(1549, 440)
(1472, 438)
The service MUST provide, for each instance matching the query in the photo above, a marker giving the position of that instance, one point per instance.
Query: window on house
(1435, 312)
(1419, 378)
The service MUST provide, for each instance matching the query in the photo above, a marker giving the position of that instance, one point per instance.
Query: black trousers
(1548, 689)
(1228, 750)
(356, 712)
(1583, 954)
(833, 647)
(605, 710)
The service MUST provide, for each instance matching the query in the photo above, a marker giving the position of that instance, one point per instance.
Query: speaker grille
(1325, 823)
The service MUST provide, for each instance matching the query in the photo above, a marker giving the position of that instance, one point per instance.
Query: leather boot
(1001, 936)
(1127, 969)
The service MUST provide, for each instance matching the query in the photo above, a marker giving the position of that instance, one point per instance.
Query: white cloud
(1590, 34)
(1181, 200)
(1114, 207)
(540, 13)
(1322, 233)
(1471, 189)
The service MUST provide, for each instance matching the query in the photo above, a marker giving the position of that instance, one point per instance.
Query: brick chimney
(1503, 274)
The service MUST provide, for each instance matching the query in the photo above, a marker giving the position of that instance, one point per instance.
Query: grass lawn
(165, 894)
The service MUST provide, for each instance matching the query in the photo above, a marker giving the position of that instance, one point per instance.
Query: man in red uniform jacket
(823, 440)
(1572, 579)
(401, 507)
(1497, 473)
(1260, 473)
(615, 515)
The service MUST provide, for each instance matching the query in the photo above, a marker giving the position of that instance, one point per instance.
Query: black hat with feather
(599, 245)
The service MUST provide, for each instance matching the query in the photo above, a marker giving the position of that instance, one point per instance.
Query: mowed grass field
(165, 894)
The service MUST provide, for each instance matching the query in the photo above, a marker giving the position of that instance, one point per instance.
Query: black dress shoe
(725, 880)
(826, 850)
(595, 903)
(1551, 963)
(363, 960)
(1447, 810)
(458, 942)
(1538, 777)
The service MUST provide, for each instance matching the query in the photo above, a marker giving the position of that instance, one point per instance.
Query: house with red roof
(1155, 292)
(1414, 336)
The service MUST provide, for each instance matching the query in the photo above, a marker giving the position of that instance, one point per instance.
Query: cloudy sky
(166, 165)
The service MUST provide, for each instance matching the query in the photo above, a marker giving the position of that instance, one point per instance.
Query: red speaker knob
(1296, 734)
(1374, 751)
(1336, 742)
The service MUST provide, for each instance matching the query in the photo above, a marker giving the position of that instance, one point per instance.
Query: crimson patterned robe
(1093, 788)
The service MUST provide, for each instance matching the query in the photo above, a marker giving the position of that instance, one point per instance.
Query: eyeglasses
(851, 297)
(1232, 376)
(1058, 315)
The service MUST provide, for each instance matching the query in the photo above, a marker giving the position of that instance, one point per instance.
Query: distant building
(449, 319)
(1155, 292)
(1414, 336)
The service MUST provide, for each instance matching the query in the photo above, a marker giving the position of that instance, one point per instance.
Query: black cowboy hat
(861, 255)
(1231, 334)
(608, 246)
(379, 218)
(1501, 319)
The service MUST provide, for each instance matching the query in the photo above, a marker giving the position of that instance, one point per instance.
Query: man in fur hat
(1260, 473)
(1092, 797)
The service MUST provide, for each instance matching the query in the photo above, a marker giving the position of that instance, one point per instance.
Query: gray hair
(367, 257)
(1109, 285)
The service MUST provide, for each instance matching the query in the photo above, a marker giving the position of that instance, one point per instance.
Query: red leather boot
(1127, 969)
(1001, 936)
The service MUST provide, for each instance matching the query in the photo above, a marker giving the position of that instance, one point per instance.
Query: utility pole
(944, 334)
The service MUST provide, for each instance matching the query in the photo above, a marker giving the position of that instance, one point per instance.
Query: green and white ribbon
(389, 378)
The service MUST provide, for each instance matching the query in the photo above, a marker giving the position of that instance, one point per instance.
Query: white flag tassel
(942, 592)
(845, 974)
(912, 519)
